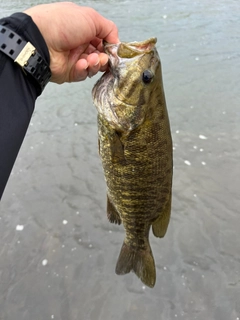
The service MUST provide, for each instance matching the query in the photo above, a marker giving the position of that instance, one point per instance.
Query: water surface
(58, 250)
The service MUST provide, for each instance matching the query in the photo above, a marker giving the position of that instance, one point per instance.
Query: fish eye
(147, 76)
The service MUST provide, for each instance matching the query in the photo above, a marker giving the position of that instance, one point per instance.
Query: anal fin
(160, 225)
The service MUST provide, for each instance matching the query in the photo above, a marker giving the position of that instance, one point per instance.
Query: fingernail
(96, 63)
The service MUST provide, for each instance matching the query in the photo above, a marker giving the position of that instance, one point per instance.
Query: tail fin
(141, 262)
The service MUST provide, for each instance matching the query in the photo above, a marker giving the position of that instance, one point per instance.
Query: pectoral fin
(117, 148)
(160, 225)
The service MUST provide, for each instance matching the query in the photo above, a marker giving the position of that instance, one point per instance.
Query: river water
(58, 251)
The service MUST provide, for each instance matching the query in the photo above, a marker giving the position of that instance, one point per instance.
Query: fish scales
(135, 146)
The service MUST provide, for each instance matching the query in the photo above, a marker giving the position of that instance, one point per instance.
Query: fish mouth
(118, 52)
(129, 49)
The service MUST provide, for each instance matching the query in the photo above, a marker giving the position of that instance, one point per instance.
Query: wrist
(26, 29)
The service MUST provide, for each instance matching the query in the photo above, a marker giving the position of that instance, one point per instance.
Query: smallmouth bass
(135, 147)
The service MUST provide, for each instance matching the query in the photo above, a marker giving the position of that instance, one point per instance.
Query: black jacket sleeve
(18, 93)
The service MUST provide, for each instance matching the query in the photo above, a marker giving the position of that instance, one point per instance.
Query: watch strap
(24, 54)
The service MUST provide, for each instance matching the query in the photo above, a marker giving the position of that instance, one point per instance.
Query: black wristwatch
(24, 54)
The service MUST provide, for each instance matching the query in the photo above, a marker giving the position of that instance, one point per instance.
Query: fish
(135, 147)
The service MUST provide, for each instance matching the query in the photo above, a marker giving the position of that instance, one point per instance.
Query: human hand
(74, 36)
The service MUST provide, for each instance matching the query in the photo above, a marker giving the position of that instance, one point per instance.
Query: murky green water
(58, 250)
